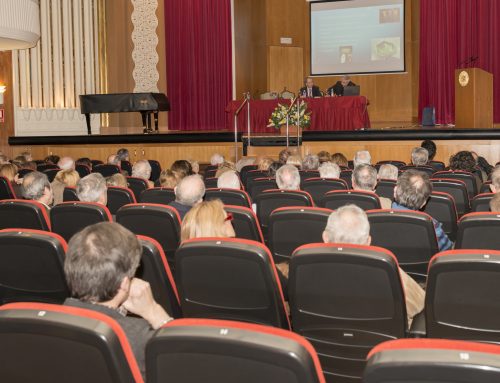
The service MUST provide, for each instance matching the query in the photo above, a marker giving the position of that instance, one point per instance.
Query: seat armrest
(418, 329)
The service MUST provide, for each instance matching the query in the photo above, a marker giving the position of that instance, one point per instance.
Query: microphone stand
(236, 124)
(288, 120)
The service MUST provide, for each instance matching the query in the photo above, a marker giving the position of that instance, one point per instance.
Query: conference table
(327, 114)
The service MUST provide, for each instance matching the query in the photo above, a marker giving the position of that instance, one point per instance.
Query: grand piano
(146, 103)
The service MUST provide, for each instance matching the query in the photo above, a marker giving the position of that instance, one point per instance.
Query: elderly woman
(9, 171)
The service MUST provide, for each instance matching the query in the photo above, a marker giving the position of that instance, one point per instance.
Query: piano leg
(87, 118)
(156, 121)
(144, 116)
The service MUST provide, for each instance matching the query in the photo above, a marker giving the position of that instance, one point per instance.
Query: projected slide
(357, 36)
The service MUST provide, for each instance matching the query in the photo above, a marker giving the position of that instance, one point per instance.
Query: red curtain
(452, 32)
(199, 63)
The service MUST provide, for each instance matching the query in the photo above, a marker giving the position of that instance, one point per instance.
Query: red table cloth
(327, 113)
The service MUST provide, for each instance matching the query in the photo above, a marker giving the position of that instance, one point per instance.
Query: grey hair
(413, 189)
(388, 172)
(288, 178)
(66, 163)
(348, 224)
(190, 190)
(91, 188)
(364, 177)
(229, 180)
(362, 157)
(216, 159)
(142, 169)
(495, 178)
(34, 185)
(419, 156)
(310, 162)
(329, 170)
(122, 154)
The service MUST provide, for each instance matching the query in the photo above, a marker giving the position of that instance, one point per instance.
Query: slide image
(386, 48)
(392, 15)
(345, 54)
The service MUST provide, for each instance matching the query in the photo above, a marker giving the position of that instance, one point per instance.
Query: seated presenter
(338, 89)
(310, 90)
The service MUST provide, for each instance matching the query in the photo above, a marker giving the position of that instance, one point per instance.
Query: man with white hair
(329, 170)
(142, 169)
(188, 192)
(92, 188)
(362, 157)
(113, 160)
(217, 159)
(288, 178)
(419, 156)
(66, 163)
(388, 172)
(349, 225)
(495, 180)
(364, 177)
(36, 187)
(229, 180)
(310, 162)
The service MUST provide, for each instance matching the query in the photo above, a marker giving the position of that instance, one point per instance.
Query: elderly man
(419, 156)
(388, 172)
(310, 90)
(362, 157)
(216, 159)
(92, 188)
(364, 177)
(288, 178)
(36, 187)
(100, 265)
(329, 170)
(113, 160)
(495, 180)
(310, 162)
(142, 169)
(349, 224)
(411, 193)
(188, 192)
(229, 180)
(338, 88)
(122, 155)
(66, 163)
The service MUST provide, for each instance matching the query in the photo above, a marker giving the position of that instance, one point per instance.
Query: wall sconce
(2, 90)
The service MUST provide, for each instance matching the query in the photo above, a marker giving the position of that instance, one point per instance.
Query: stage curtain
(199, 63)
(451, 32)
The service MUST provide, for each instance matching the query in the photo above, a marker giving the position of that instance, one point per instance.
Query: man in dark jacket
(338, 88)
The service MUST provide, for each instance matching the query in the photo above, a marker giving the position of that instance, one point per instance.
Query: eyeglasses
(229, 217)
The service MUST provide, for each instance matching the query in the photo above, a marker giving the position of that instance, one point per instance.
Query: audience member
(100, 265)
(216, 159)
(142, 169)
(431, 148)
(66, 163)
(264, 163)
(288, 178)
(364, 177)
(495, 180)
(273, 168)
(283, 156)
(188, 192)
(349, 225)
(411, 193)
(419, 156)
(92, 188)
(324, 156)
(9, 171)
(226, 166)
(310, 162)
(27, 156)
(36, 187)
(229, 180)
(113, 160)
(329, 170)
(495, 203)
(463, 161)
(52, 159)
(4, 159)
(362, 157)
(340, 160)
(245, 161)
(122, 155)
(84, 161)
(63, 178)
(181, 169)
(208, 219)
(388, 172)
(195, 166)
(294, 160)
(168, 179)
(117, 179)
(30, 165)
(19, 161)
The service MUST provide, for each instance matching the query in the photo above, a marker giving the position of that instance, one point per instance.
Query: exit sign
(2, 114)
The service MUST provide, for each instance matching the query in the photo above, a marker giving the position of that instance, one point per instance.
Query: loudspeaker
(429, 116)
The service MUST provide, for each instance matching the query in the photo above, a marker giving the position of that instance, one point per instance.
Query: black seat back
(24, 214)
(211, 182)
(126, 166)
(306, 175)
(137, 185)
(479, 231)
(385, 188)
(252, 174)
(158, 195)
(118, 197)
(232, 197)
(437, 165)
(6, 190)
(346, 175)
(82, 170)
(441, 207)
(338, 198)
(318, 187)
(69, 194)
(429, 170)
(245, 223)
(259, 185)
(106, 170)
(457, 189)
(398, 164)
(155, 170)
(470, 180)
(244, 171)
(43, 167)
(481, 203)
(51, 173)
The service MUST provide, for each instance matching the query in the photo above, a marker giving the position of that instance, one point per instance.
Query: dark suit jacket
(338, 88)
(316, 92)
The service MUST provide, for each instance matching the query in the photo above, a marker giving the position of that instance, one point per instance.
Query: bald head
(66, 163)
(288, 178)
(413, 189)
(348, 224)
(190, 190)
(364, 177)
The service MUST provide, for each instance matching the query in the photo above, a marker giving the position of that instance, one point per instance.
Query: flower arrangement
(278, 117)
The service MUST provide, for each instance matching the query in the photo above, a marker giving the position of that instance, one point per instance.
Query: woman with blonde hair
(117, 179)
(264, 164)
(294, 160)
(168, 179)
(340, 160)
(64, 178)
(207, 219)
(226, 166)
(9, 171)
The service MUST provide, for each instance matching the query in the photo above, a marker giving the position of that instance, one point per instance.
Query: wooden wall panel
(6, 128)
(291, 78)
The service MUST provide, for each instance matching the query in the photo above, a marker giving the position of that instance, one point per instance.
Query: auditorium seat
(233, 197)
(52, 343)
(346, 175)
(429, 170)
(345, 299)
(137, 185)
(338, 198)
(45, 166)
(6, 189)
(118, 197)
(433, 360)
(245, 223)
(252, 174)
(22, 172)
(96, 163)
(438, 166)
(257, 185)
(441, 207)
(481, 202)
(479, 231)
(270, 200)
(160, 222)
(216, 351)
(306, 175)
(229, 278)
(485, 188)
(409, 235)
(318, 187)
(82, 170)
(155, 170)
(24, 214)
(68, 218)
(32, 266)
(462, 296)
(126, 166)
(470, 180)
(292, 227)
(106, 170)
(51, 173)
(154, 269)
(158, 195)
(244, 171)
(210, 182)
(69, 194)
(385, 188)
(457, 189)
(398, 164)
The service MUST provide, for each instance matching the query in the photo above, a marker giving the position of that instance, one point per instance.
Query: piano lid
(124, 102)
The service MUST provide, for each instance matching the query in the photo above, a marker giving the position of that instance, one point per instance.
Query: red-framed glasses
(229, 217)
